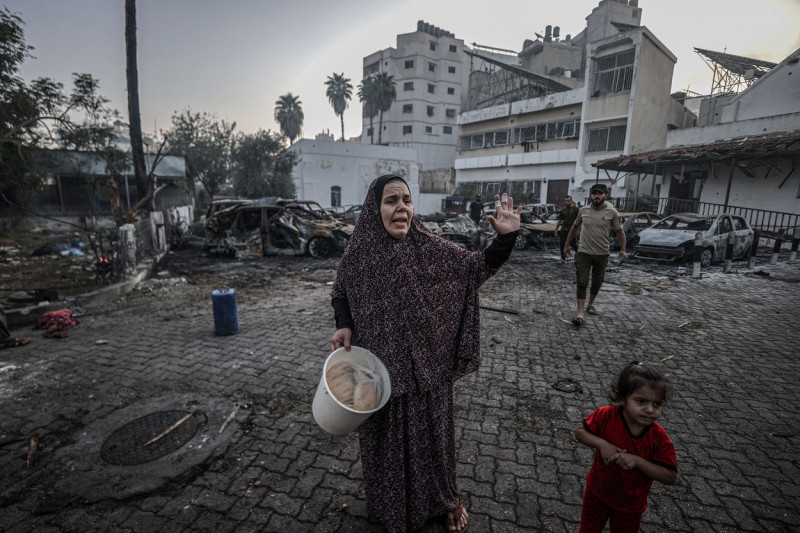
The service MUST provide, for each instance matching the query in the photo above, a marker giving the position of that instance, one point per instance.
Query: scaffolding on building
(492, 83)
(733, 74)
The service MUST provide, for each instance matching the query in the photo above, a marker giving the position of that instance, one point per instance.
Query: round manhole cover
(127, 445)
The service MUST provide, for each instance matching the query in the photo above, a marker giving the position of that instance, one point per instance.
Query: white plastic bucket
(335, 417)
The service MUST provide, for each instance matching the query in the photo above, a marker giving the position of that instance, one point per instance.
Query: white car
(672, 239)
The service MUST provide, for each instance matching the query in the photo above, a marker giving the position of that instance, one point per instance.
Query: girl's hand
(624, 460)
(506, 219)
(608, 452)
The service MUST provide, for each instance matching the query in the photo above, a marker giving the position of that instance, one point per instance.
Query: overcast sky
(234, 58)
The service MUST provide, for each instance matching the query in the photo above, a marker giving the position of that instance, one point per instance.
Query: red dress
(626, 490)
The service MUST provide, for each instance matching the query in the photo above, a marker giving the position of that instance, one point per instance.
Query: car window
(724, 225)
(249, 220)
(641, 221)
(740, 223)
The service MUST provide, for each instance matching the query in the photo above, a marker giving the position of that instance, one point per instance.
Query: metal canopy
(753, 149)
(733, 74)
(493, 82)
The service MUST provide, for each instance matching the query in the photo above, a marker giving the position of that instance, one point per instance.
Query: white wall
(351, 166)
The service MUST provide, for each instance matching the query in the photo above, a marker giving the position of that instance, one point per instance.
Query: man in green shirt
(566, 217)
(595, 223)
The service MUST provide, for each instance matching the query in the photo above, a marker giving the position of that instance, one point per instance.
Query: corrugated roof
(748, 148)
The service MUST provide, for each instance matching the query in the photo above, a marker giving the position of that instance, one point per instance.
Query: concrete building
(338, 174)
(538, 140)
(430, 68)
(743, 157)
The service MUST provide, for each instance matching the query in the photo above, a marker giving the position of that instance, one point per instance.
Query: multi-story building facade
(430, 72)
(430, 68)
(610, 95)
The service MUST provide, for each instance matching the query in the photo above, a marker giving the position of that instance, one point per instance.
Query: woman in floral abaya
(411, 298)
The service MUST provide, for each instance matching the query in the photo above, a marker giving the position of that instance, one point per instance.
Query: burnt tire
(521, 242)
(320, 247)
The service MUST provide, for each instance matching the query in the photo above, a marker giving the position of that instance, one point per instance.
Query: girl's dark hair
(635, 375)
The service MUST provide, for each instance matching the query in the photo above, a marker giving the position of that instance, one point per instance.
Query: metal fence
(769, 222)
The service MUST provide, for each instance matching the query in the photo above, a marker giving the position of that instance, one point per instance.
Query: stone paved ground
(728, 342)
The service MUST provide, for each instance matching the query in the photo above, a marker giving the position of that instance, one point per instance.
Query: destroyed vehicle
(348, 215)
(632, 224)
(672, 239)
(535, 232)
(273, 226)
(460, 230)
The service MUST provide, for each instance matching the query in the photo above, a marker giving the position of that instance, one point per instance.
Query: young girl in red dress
(631, 450)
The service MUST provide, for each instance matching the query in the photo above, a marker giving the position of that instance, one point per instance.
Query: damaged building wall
(441, 181)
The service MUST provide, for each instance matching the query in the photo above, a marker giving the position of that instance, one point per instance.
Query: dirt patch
(37, 266)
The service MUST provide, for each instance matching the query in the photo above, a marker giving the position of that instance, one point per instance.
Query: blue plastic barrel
(226, 316)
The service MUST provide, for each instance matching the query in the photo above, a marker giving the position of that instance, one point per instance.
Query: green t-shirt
(596, 226)
(567, 216)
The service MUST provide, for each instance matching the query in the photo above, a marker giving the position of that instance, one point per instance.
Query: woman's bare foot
(458, 520)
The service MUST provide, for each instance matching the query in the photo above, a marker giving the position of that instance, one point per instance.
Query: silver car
(672, 239)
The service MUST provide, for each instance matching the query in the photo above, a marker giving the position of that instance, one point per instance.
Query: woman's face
(396, 208)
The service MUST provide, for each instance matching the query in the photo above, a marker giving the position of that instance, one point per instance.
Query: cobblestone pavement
(728, 342)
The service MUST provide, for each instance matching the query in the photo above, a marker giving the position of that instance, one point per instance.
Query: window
(409, 63)
(432, 67)
(408, 108)
(408, 86)
(613, 73)
(430, 110)
(431, 88)
(371, 69)
(609, 139)
(433, 46)
(406, 130)
(453, 48)
(336, 196)
(567, 129)
(450, 113)
(451, 70)
(370, 132)
(451, 90)
(447, 130)
(428, 129)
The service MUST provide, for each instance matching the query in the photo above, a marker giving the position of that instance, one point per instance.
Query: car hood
(666, 237)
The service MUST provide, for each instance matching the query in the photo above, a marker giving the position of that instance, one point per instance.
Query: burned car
(632, 224)
(273, 226)
(672, 239)
(534, 231)
(460, 230)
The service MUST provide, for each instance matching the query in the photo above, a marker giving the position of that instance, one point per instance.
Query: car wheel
(521, 242)
(707, 257)
(320, 247)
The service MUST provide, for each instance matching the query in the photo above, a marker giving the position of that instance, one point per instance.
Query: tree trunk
(134, 118)
(380, 127)
(371, 132)
(341, 117)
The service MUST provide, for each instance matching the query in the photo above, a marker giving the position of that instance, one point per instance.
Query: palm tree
(386, 94)
(289, 116)
(339, 91)
(368, 95)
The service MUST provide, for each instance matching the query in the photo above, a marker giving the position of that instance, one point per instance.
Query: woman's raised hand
(506, 219)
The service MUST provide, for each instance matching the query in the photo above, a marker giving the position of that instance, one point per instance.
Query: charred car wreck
(274, 226)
